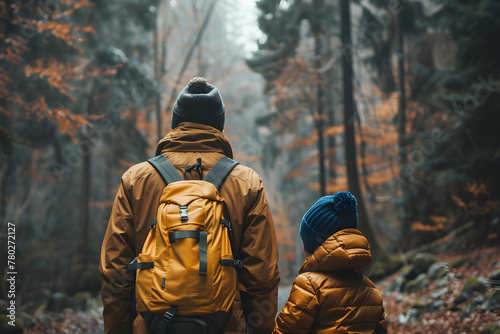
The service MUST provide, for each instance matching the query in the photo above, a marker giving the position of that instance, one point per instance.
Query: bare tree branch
(197, 41)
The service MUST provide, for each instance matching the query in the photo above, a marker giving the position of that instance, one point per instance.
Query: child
(329, 296)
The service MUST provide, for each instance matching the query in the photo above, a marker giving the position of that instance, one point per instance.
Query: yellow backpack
(186, 267)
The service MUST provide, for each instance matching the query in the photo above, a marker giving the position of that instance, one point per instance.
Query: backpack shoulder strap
(220, 171)
(165, 168)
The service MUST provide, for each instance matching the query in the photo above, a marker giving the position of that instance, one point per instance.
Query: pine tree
(467, 114)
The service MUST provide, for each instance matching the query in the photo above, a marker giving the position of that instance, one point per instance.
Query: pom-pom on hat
(199, 102)
(327, 216)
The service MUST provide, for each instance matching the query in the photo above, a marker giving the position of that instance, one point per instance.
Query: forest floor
(68, 321)
(476, 263)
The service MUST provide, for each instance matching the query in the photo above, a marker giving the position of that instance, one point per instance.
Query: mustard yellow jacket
(135, 205)
(329, 296)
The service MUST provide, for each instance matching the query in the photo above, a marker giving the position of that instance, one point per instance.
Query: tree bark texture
(403, 165)
(378, 252)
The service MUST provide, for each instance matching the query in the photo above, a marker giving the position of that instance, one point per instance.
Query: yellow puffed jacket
(329, 296)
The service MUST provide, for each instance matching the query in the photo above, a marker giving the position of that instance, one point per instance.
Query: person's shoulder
(246, 174)
(316, 277)
(309, 281)
(368, 282)
(138, 171)
(246, 170)
(335, 280)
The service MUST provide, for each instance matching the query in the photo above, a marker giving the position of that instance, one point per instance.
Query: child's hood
(345, 250)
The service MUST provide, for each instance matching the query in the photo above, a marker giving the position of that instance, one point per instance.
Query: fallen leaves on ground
(478, 263)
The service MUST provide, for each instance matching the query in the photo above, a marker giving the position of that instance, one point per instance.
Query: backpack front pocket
(190, 270)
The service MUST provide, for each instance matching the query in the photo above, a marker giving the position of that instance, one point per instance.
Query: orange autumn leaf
(313, 160)
(445, 239)
(333, 130)
(295, 173)
(4, 80)
(385, 140)
(439, 219)
(315, 186)
(58, 74)
(417, 226)
(12, 49)
(380, 177)
(75, 7)
(16, 99)
(88, 29)
(68, 122)
(306, 141)
(333, 188)
(458, 202)
(476, 189)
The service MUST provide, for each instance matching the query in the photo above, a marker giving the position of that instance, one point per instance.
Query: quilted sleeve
(382, 325)
(117, 249)
(300, 310)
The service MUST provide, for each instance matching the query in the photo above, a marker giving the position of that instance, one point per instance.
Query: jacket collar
(345, 250)
(195, 137)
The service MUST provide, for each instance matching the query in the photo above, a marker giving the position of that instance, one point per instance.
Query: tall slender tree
(284, 43)
(378, 250)
(320, 116)
(196, 43)
(402, 156)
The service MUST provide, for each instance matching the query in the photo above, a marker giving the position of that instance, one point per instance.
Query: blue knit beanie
(327, 216)
(199, 102)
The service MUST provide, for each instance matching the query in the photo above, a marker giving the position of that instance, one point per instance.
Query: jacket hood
(195, 137)
(345, 250)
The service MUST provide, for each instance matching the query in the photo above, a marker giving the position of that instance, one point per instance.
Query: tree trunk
(3, 186)
(199, 56)
(331, 143)
(320, 117)
(403, 166)
(197, 41)
(84, 209)
(378, 252)
(26, 182)
(86, 185)
(364, 169)
(6, 137)
(157, 68)
(162, 67)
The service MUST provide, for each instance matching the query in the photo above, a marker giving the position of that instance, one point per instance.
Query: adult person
(197, 133)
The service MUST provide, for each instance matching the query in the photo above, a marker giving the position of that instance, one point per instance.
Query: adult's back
(246, 207)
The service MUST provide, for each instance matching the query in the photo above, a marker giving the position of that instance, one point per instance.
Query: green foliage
(493, 328)
(492, 301)
(456, 149)
(458, 262)
(381, 269)
(281, 27)
(109, 56)
(423, 261)
(9, 329)
(476, 284)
